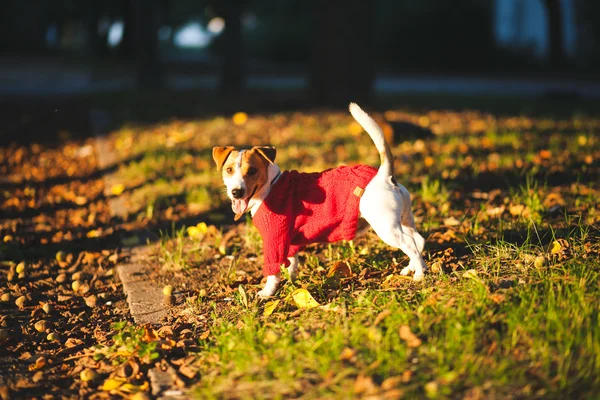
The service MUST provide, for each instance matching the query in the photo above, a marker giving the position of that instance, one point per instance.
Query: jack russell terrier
(292, 209)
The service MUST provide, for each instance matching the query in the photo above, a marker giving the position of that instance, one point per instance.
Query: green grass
(509, 308)
(497, 329)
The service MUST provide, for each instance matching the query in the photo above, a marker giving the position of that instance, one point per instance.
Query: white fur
(235, 180)
(385, 205)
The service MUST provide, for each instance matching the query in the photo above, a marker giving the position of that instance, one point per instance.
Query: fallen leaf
(348, 354)
(117, 189)
(243, 295)
(341, 268)
(381, 316)
(39, 363)
(364, 385)
(303, 299)
(112, 384)
(451, 221)
(270, 306)
(410, 338)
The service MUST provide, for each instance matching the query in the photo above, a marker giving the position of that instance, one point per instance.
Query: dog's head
(245, 173)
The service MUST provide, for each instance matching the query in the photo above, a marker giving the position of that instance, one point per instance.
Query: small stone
(20, 302)
(76, 285)
(88, 375)
(53, 337)
(6, 297)
(436, 267)
(41, 325)
(76, 276)
(10, 276)
(21, 275)
(61, 278)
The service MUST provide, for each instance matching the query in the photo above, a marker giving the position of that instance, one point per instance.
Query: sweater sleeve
(276, 244)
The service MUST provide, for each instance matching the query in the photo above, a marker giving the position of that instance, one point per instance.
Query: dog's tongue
(239, 206)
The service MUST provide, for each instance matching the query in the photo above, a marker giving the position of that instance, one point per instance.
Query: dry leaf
(348, 354)
(112, 384)
(381, 316)
(303, 299)
(270, 306)
(410, 338)
(451, 221)
(341, 268)
(39, 363)
(117, 189)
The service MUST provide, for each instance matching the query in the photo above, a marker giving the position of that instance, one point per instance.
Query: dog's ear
(268, 152)
(220, 155)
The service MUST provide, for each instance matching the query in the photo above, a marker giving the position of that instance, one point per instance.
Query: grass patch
(508, 204)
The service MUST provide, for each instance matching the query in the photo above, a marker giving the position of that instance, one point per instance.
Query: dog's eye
(251, 171)
(229, 170)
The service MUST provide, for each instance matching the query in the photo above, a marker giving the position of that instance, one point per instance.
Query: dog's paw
(406, 270)
(418, 276)
(266, 293)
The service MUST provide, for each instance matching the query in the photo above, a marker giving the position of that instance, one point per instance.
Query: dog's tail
(374, 130)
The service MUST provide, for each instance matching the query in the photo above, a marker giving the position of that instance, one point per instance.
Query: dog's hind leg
(409, 227)
(396, 237)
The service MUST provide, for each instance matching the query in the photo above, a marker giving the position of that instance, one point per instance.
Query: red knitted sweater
(305, 208)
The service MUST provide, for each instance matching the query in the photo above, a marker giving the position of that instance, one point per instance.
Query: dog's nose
(237, 193)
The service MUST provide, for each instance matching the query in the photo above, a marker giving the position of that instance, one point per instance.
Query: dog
(293, 209)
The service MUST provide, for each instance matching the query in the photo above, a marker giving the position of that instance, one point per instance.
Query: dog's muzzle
(237, 193)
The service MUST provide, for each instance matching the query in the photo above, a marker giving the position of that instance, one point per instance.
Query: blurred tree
(231, 50)
(342, 67)
(555, 33)
(146, 23)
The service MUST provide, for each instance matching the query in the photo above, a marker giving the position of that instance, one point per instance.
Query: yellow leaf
(131, 388)
(112, 384)
(193, 232)
(94, 233)
(202, 227)
(556, 247)
(303, 299)
(240, 118)
(270, 306)
(117, 189)
(243, 295)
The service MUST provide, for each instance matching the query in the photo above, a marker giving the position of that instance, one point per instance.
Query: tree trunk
(149, 68)
(555, 33)
(126, 49)
(232, 74)
(342, 61)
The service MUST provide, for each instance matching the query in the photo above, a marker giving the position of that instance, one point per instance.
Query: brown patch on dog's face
(221, 154)
(245, 172)
(254, 167)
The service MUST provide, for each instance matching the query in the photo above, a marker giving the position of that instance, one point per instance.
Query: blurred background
(151, 57)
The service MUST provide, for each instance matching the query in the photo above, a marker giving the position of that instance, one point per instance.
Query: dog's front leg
(271, 286)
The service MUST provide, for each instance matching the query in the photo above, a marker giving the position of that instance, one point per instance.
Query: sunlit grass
(508, 308)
